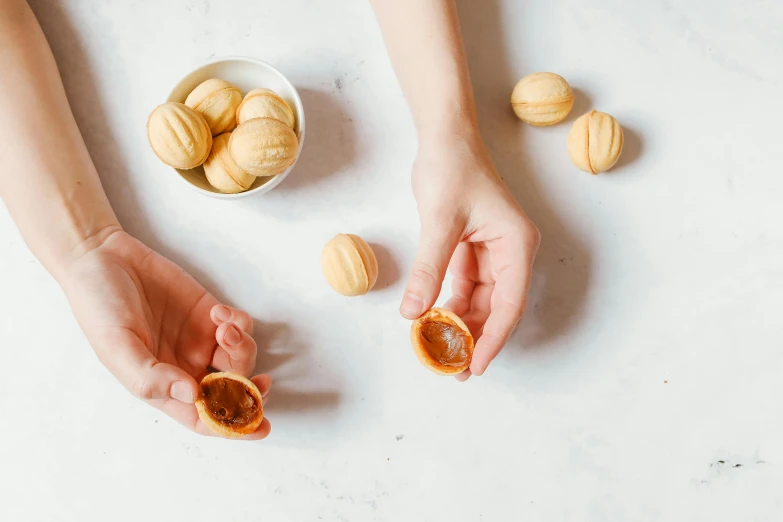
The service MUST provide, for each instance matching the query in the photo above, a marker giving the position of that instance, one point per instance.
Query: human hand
(470, 223)
(157, 329)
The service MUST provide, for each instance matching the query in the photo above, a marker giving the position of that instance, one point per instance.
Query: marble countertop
(644, 383)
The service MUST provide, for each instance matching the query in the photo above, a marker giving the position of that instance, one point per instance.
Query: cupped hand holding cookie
(157, 329)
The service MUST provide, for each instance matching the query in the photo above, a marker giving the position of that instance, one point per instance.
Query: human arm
(152, 325)
(469, 220)
(47, 179)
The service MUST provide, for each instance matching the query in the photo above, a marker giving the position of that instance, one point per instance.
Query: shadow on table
(561, 277)
(329, 145)
(388, 267)
(277, 346)
(583, 103)
(633, 147)
(329, 148)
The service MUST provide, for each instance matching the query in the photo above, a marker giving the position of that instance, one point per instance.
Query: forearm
(424, 42)
(47, 179)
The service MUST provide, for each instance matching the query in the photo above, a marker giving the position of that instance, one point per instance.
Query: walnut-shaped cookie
(442, 342)
(230, 405)
(179, 136)
(217, 100)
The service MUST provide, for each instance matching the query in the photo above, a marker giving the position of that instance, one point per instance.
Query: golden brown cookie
(349, 265)
(222, 171)
(217, 100)
(179, 136)
(542, 99)
(263, 103)
(263, 146)
(230, 405)
(442, 342)
(595, 142)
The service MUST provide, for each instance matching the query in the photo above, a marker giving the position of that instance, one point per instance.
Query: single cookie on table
(222, 171)
(263, 103)
(349, 265)
(179, 136)
(230, 405)
(264, 146)
(442, 342)
(542, 99)
(595, 142)
(217, 100)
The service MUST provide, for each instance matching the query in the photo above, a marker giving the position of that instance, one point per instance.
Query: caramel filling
(446, 343)
(229, 402)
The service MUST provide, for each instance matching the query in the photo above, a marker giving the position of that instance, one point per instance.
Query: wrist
(451, 124)
(72, 217)
(453, 140)
(80, 243)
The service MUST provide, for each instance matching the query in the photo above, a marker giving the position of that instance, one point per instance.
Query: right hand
(470, 223)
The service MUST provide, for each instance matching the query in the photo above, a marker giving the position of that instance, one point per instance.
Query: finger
(464, 262)
(436, 247)
(146, 377)
(225, 314)
(463, 268)
(187, 415)
(479, 309)
(514, 258)
(236, 351)
(464, 376)
(261, 432)
(263, 382)
(462, 294)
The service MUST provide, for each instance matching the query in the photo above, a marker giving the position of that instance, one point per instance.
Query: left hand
(156, 328)
(470, 222)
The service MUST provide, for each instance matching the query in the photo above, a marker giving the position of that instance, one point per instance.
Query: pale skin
(470, 223)
(151, 324)
(156, 328)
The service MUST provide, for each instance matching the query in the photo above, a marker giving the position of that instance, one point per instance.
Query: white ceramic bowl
(247, 74)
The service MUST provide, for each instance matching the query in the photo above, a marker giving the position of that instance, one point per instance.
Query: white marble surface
(644, 383)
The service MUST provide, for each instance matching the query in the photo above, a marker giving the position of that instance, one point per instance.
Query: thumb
(166, 381)
(149, 379)
(436, 247)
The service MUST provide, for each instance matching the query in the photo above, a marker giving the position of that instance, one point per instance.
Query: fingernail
(181, 392)
(232, 336)
(411, 306)
(222, 313)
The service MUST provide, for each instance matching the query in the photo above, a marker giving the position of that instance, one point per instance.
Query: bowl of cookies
(231, 128)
